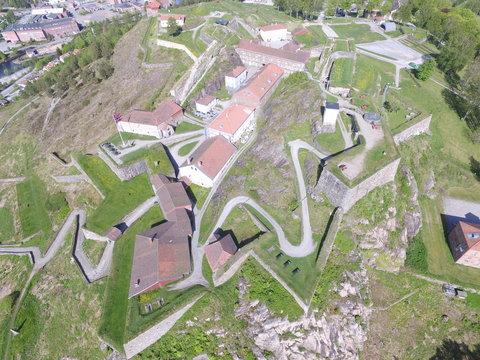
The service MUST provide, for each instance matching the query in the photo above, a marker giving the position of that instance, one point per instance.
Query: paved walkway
(4, 126)
(174, 150)
(152, 335)
(10, 180)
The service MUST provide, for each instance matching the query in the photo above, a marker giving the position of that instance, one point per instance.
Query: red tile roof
(171, 195)
(154, 5)
(273, 27)
(255, 46)
(219, 250)
(206, 100)
(164, 113)
(470, 228)
(212, 155)
(113, 233)
(236, 72)
(260, 85)
(175, 16)
(231, 119)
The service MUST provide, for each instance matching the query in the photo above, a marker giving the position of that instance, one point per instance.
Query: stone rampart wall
(417, 129)
(127, 172)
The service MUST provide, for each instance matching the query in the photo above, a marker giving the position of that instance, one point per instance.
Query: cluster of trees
(426, 69)
(92, 63)
(14, 3)
(173, 28)
(9, 18)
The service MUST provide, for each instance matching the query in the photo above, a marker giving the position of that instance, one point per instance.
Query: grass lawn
(342, 72)
(6, 225)
(361, 33)
(120, 197)
(315, 37)
(341, 45)
(199, 193)
(440, 259)
(94, 249)
(369, 73)
(331, 142)
(117, 141)
(473, 300)
(185, 150)
(115, 306)
(185, 127)
(156, 158)
(32, 198)
(195, 45)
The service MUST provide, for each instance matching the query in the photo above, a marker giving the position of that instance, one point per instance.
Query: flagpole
(119, 132)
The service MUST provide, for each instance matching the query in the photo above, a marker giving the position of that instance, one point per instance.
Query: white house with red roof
(274, 32)
(232, 122)
(160, 123)
(179, 18)
(235, 78)
(206, 103)
(204, 166)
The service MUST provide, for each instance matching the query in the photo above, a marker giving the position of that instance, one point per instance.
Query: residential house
(206, 103)
(153, 7)
(159, 123)
(232, 122)
(219, 250)
(179, 18)
(235, 78)
(205, 164)
(253, 53)
(275, 32)
(464, 240)
(260, 86)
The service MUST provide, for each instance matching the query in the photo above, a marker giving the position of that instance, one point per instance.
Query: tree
(58, 53)
(173, 29)
(426, 70)
(103, 69)
(3, 57)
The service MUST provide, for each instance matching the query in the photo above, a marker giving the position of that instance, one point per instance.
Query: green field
(185, 150)
(6, 225)
(315, 37)
(369, 73)
(115, 307)
(341, 45)
(120, 197)
(331, 142)
(185, 127)
(32, 198)
(361, 33)
(155, 156)
(342, 72)
(194, 44)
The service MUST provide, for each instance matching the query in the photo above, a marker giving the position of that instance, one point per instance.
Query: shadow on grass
(452, 350)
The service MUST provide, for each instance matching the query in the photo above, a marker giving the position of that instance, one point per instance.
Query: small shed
(372, 117)
(221, 22)
(389, 26)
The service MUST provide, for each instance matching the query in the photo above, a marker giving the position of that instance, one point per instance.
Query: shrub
(417, 254)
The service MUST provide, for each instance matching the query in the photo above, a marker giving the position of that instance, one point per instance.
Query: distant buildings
(464, 240)
(159, 123)
(40, 30)
(235, 78)
(260, 2)
(275, 32)
(162, 254)
(232, 122)
(153, 7)
(179, 18)
(49, 10)
(205, 164)
(253, 53)
(332, 109)
(219, 250)
(261, 85)
(206, 103)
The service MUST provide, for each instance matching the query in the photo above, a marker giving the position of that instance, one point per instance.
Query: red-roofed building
(206, 103)
(232, 122)
(152, 8)
(259, 87)
(275, 32)
(205, 164)
(159, 123)
(179, 18)
(219, 250)
(235, 78)
(253, 53)
(464, 240)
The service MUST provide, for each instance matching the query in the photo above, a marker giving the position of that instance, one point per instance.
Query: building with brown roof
(162, 254)
(159, 123)
(464, 240)
(206, 103)
(253, 53)
(219, 250)
(153, 7)
(235, 78)
(205, 164)
(259, 87)
(233, 122)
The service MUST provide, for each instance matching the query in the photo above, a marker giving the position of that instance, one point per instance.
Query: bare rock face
(430, 185)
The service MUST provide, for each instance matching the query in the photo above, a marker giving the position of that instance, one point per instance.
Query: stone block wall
(126, 172)
(417, 129)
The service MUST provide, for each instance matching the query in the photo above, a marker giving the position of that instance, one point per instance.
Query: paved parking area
(456, 210)
(394, 49)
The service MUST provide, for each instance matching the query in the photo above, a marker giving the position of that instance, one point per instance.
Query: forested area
(92, 64)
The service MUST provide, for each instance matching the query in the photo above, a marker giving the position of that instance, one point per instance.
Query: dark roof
(160, 255)
(332, 105)
(39, 25)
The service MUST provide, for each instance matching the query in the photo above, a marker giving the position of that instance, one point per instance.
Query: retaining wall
(340, 195)
(174, 45)
(417, 129)
(127, 172)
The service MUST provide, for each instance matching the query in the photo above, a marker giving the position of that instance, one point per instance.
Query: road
(2, 129)
(180, 159)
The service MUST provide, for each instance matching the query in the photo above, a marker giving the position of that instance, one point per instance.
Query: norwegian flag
(117, 117)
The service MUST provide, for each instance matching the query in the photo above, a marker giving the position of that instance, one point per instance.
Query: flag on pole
(117, 117)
